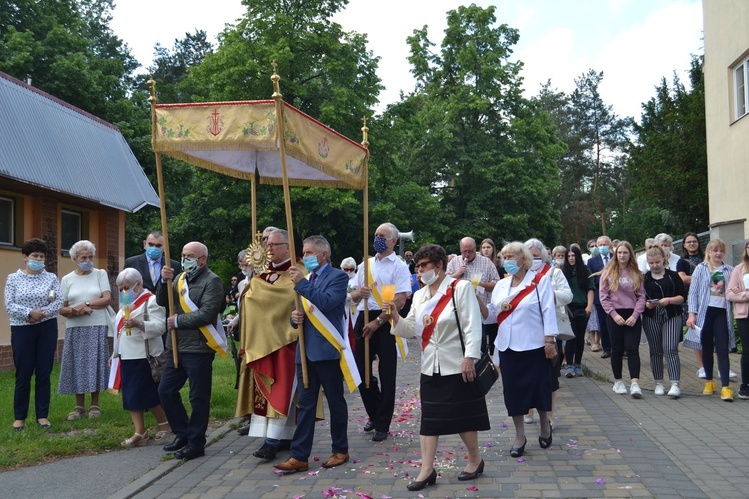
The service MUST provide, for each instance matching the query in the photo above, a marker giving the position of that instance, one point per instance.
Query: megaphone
(409, 236)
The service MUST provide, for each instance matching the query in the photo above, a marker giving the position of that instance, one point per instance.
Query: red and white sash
(427, 320)
(115, 375)
(504, 314)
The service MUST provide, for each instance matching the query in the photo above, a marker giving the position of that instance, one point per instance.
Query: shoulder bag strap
(457, 319)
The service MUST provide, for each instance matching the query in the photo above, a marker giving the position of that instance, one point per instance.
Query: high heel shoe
(545, 443)
(418, 485)
(518, 451)
(465, 475)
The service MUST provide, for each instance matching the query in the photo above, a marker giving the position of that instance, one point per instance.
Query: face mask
(153, 252)
(35, 265)
(594, 251)
(538, 264)
(350, 273)
(85, 266)
(603, 250)
(511, 266)
(429, 277)
(189, 265)
(311, 263)
(409, 260)
(559, 261)
(126, 297)
(380, 244)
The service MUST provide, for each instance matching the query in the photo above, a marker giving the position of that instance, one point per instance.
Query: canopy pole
(162, 205)
(277, 97)
(365, 143)
(253, 200)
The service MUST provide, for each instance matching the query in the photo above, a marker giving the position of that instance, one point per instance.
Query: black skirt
(450, 406)
(139, 391)
(526, 380)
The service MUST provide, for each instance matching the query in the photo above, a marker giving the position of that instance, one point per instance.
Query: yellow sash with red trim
(213, 333)
(399, 342)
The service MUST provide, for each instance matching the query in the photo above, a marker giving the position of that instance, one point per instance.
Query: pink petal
(521, 459)
(472, 489)
(600, 481)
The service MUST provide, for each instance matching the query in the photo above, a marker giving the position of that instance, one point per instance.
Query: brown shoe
(292, 466)
(335, 459)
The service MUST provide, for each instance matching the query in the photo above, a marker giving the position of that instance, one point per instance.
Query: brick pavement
(605, 445)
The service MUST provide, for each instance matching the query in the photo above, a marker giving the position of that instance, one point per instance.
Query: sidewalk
(605, 445)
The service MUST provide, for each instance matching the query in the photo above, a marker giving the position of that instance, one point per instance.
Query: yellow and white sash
(340, 343)
(213, 333)
(400, 343)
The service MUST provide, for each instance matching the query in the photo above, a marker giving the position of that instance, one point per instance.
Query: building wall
(726, 38)
(42, 218)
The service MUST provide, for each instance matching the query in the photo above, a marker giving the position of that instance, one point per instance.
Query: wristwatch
(88, 303)
(379, 320)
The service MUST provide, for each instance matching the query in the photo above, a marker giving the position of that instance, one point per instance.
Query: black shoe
(518, 451)
(177, 444)
(267, 452)
(430, 480)
(744, 392)
(605, 355)
(464, 475)
(379, 436)
(244, 430)
(545, 443)
(369, 426)
(189, 452)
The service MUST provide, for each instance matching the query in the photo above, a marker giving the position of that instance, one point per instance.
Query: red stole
(519, 297)
(426, 334)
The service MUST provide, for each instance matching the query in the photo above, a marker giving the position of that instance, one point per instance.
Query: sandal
(94, 412)
(76, 413)
(162, 434)
(131, 442)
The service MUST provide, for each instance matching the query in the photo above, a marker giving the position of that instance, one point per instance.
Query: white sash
(213, 333)
(330, 333)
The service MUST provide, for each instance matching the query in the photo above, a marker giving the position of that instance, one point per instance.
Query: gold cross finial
(275, 79)
(152, 88)
(365, 130)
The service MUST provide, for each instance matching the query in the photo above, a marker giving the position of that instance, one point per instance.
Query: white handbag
(564, 325)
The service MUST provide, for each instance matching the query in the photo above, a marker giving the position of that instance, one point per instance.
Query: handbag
(486, 373)
(155, 362)
(563, 325)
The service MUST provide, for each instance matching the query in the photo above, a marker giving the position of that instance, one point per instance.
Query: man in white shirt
(384, 268)
(642, 260)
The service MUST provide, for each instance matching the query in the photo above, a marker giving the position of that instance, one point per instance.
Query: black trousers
(197, 368)
(625, 338)
(378, 399)
(33, 354)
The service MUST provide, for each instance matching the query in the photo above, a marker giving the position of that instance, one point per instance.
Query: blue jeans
(34, 349)
(198, 369)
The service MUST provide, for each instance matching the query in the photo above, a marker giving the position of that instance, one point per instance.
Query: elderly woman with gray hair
(85, 296)
(136, 337)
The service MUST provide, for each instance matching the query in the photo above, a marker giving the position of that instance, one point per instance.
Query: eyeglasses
(349, 270)
(276, 244)
(422, 265)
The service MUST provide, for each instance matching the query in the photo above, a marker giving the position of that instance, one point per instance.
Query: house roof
(51, 144)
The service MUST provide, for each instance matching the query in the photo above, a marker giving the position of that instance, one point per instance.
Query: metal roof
(51, 144)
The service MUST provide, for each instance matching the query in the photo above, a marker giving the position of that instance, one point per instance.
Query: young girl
(622, 295)
(662, 319)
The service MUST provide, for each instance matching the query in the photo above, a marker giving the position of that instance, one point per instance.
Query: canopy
(236, 138)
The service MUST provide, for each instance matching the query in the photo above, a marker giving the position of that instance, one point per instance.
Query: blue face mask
(311, 263)
(512, 267)
(594, 251)
(603, 250)
(35, 265)
(86, 266)
(153, 252)
(380, 244)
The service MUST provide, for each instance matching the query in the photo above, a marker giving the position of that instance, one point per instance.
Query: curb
(166, 467)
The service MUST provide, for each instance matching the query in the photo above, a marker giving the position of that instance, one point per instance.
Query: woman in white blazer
(145, 324)
(446, 370)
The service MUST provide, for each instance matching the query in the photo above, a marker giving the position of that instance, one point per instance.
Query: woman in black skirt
(449, 403)
(524, 305)
(145, 325)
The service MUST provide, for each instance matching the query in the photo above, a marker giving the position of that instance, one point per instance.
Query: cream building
(726, 71)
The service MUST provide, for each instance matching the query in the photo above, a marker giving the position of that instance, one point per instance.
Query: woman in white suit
(449, 405)
(524, 305)
(145, 324)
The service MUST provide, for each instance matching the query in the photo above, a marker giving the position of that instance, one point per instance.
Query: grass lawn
(90, 436)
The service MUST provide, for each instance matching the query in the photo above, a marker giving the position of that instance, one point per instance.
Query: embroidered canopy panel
(237, 138)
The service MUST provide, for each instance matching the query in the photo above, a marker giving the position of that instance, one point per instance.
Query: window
(7, 217)
(71, 229)
(740, 80)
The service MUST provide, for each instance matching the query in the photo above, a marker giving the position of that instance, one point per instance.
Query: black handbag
(486, 372)
(156, 362)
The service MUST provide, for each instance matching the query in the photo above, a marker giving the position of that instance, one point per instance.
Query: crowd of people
(533, 309)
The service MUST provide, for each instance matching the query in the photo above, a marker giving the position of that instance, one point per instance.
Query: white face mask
(538, 264)
(559, 261)
(429, 277)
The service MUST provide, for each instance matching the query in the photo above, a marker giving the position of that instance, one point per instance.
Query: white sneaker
(732, 374)
(701, 373)
(674, 392)
(620, 388)
(634, 391)
(659, 390)
(528, 419)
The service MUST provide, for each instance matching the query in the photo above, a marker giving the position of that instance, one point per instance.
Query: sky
(635, 43)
